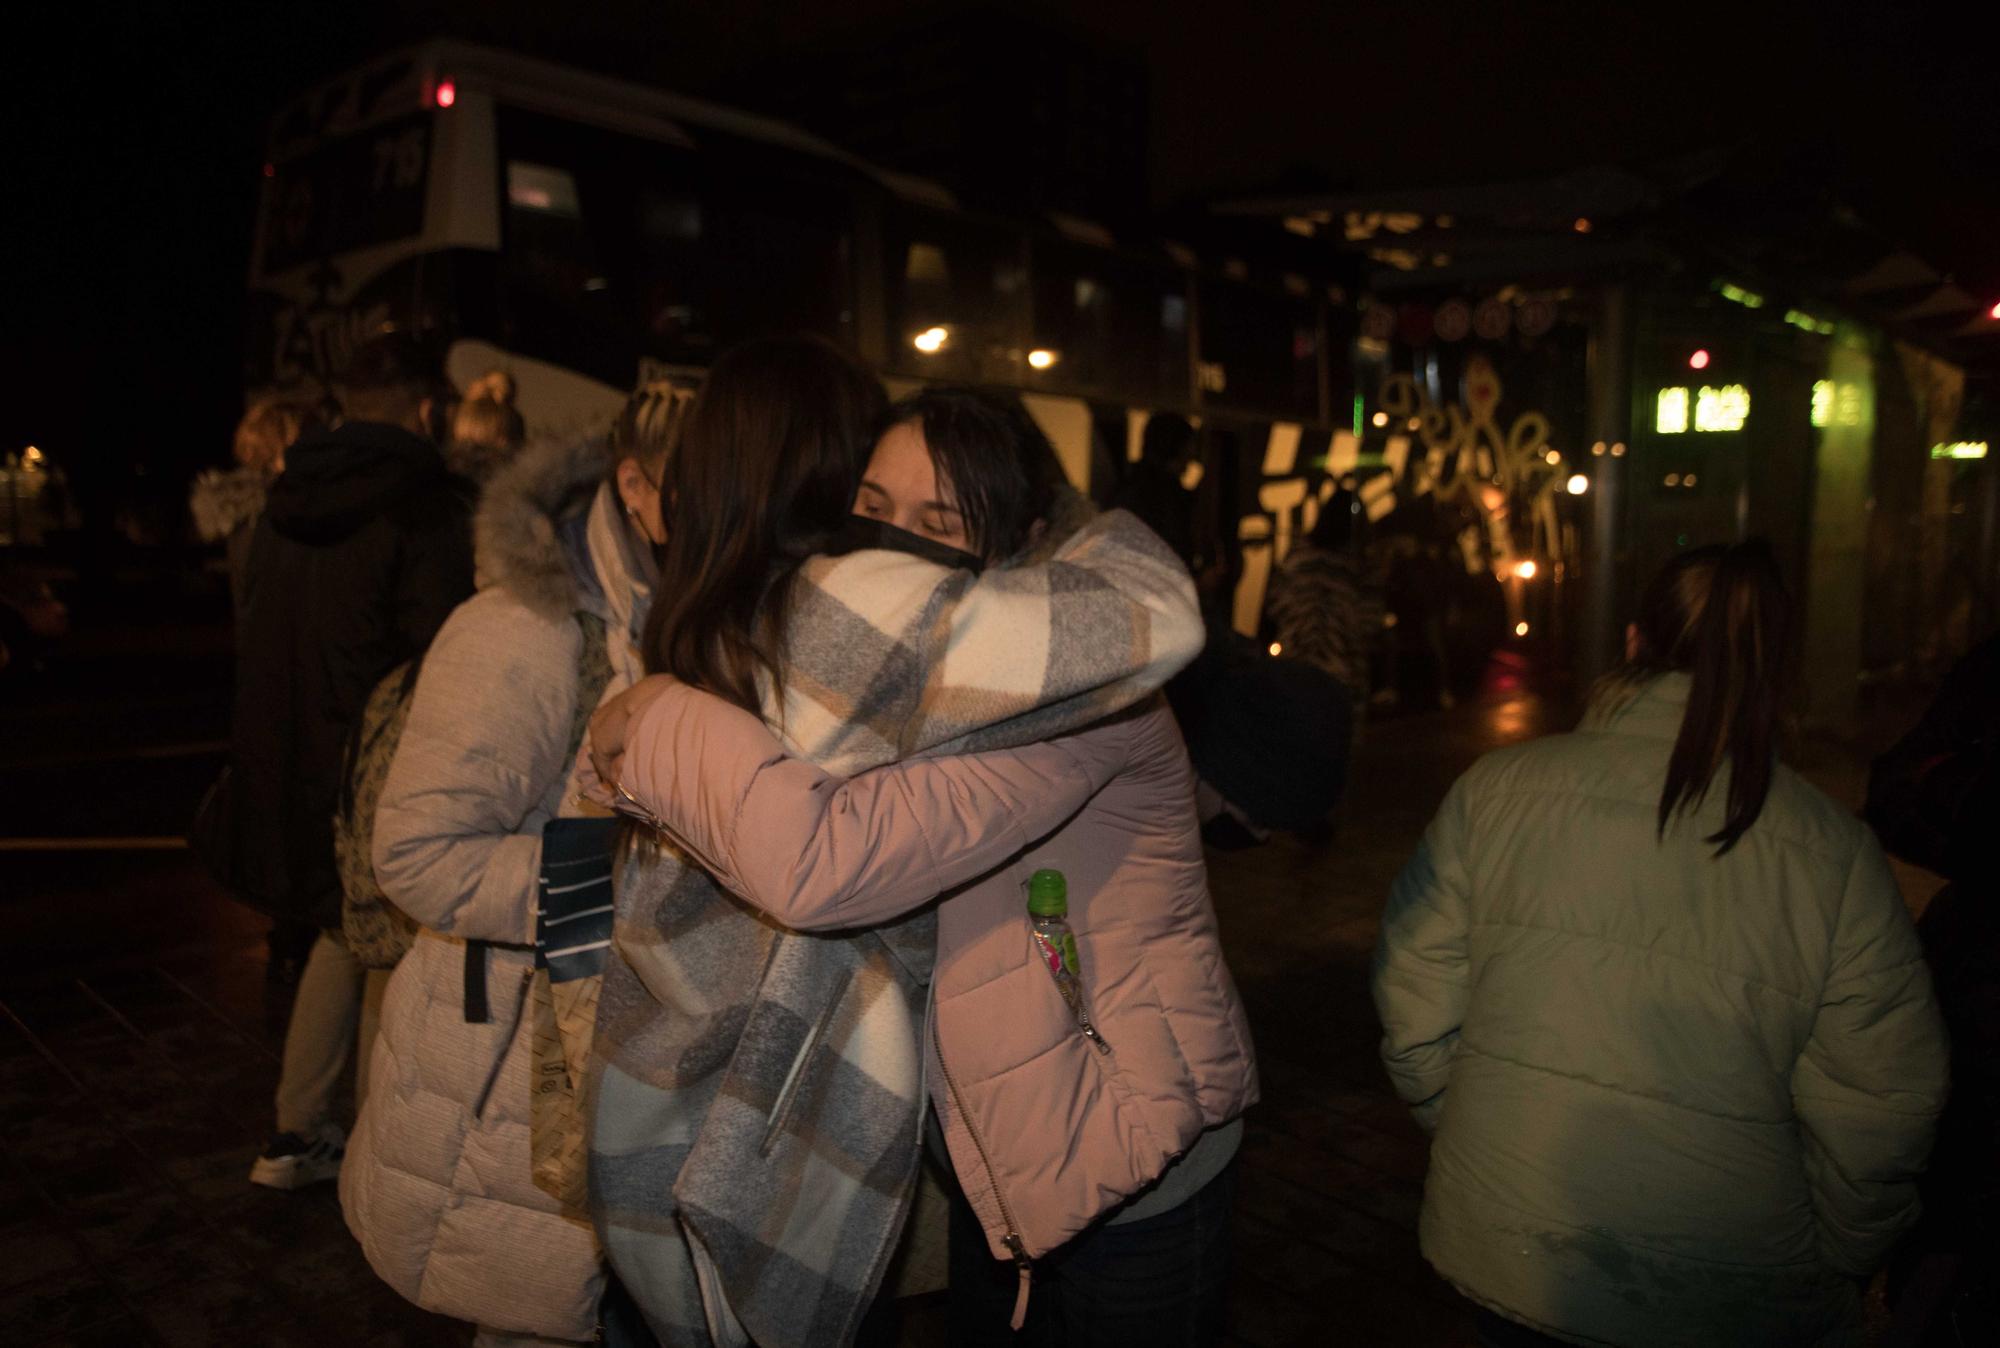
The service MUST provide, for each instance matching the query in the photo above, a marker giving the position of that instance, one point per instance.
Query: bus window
(356, 192)
(955, 297)
(1109, 325)
(618, 249)
(1259, 350)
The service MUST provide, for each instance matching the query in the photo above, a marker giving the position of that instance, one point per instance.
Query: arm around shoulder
(819, 852)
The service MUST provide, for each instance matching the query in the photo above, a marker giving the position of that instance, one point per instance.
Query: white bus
(587, 233)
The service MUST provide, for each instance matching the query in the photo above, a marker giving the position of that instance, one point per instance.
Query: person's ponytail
(1721, 616)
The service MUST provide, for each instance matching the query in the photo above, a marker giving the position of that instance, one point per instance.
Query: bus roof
(406, 80)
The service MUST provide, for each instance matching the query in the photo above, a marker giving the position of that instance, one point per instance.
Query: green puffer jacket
(1676, 1099)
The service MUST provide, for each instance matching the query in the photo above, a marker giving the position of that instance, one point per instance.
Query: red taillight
(270, 170)
(445, 94)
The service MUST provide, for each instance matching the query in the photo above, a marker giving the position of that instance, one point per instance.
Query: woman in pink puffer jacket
(1096, 1170)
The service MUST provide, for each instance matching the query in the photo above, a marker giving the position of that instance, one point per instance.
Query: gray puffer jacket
(1680, 1100)
(437, 1184)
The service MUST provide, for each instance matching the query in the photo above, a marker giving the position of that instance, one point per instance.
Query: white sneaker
(293, 1162)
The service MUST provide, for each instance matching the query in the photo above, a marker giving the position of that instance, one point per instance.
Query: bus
(589, 234)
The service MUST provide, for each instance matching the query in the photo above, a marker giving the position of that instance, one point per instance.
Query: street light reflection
(931, 340)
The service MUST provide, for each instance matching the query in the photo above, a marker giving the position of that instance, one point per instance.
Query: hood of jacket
(337, 480)
(527, 531)
(225, 499)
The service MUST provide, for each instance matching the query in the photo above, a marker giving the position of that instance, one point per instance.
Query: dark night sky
(143, 124)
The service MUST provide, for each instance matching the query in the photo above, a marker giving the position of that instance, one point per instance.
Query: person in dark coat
(363, 549)
(1933, 799)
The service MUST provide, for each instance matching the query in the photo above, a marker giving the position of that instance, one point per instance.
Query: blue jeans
(1162, 1282)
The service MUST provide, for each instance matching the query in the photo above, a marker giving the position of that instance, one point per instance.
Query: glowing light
(1822, 402)
(1582, 225)
(1552, 458)
(1415, 423)
(270, 170)
(1721, 409)
(1618, 450)
(1673, 479)
(1520, 629)
(1699, 360)
(1749, 299)
(1798, 318)
(931, 340)
(1578, 484)
(446, 95)
(1277, 648)
(1672, 416)
(1994, 312)
(1597, 450)
(1688, 481)
(1526, 570)
(1963, 449)
(1379, 419)
(32, 456)
(1042, 359)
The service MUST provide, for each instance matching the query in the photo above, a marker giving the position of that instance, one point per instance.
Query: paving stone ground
(138, 1051)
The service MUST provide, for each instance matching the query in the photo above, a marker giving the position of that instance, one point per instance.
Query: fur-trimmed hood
(223, 500)
(517, 534)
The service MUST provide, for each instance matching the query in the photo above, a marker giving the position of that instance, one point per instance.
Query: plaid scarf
(759, 1091)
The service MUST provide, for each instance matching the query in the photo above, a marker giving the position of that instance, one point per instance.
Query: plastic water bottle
(1048, 919)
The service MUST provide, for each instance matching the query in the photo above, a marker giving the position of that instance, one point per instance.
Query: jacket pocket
(795, 1079)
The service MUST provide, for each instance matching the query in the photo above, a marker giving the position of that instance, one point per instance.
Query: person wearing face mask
(441, 1184)
(1093, 1147)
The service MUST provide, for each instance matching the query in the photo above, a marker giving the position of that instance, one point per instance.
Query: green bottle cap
(1048, 894)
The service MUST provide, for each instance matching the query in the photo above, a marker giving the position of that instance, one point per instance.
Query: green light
(1822, 403)
(1800, 319)
(1715, 409)
(1671, 416)
(1963, 449)
(1736, 294)
(1722, 409)
(1357, 416)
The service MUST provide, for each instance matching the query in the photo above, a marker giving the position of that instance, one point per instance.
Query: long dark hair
(1720, 615)
(987, 451)
(765, 471)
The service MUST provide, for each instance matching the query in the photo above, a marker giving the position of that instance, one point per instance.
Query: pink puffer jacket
(1046, 1131)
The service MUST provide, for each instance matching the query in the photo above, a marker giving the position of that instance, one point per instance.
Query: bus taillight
(445, 94)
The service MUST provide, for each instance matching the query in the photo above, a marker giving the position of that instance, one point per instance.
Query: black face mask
(859, 533)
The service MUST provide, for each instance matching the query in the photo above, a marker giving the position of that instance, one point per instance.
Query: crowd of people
(756, 858)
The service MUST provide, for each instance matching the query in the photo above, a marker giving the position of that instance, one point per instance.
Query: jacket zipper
(1090, 1031)
(1012, 1240)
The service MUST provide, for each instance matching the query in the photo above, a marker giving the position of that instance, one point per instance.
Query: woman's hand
(612, 722)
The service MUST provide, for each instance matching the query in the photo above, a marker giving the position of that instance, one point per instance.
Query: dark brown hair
(764, 474)
(1720, 615)
(989, 455)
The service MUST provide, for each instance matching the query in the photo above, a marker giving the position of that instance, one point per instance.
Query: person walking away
(1933, 797)
(1047, 1156)
(1662, 1009)
(487, 429)
(362, 550)
(439, 1184)
(225, 504)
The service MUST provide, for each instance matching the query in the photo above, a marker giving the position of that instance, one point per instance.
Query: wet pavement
(139, 1040)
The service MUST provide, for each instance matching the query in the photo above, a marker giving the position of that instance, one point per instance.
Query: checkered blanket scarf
(755, 1141)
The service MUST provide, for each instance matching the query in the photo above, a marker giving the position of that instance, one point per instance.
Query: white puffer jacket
(437, 1184)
